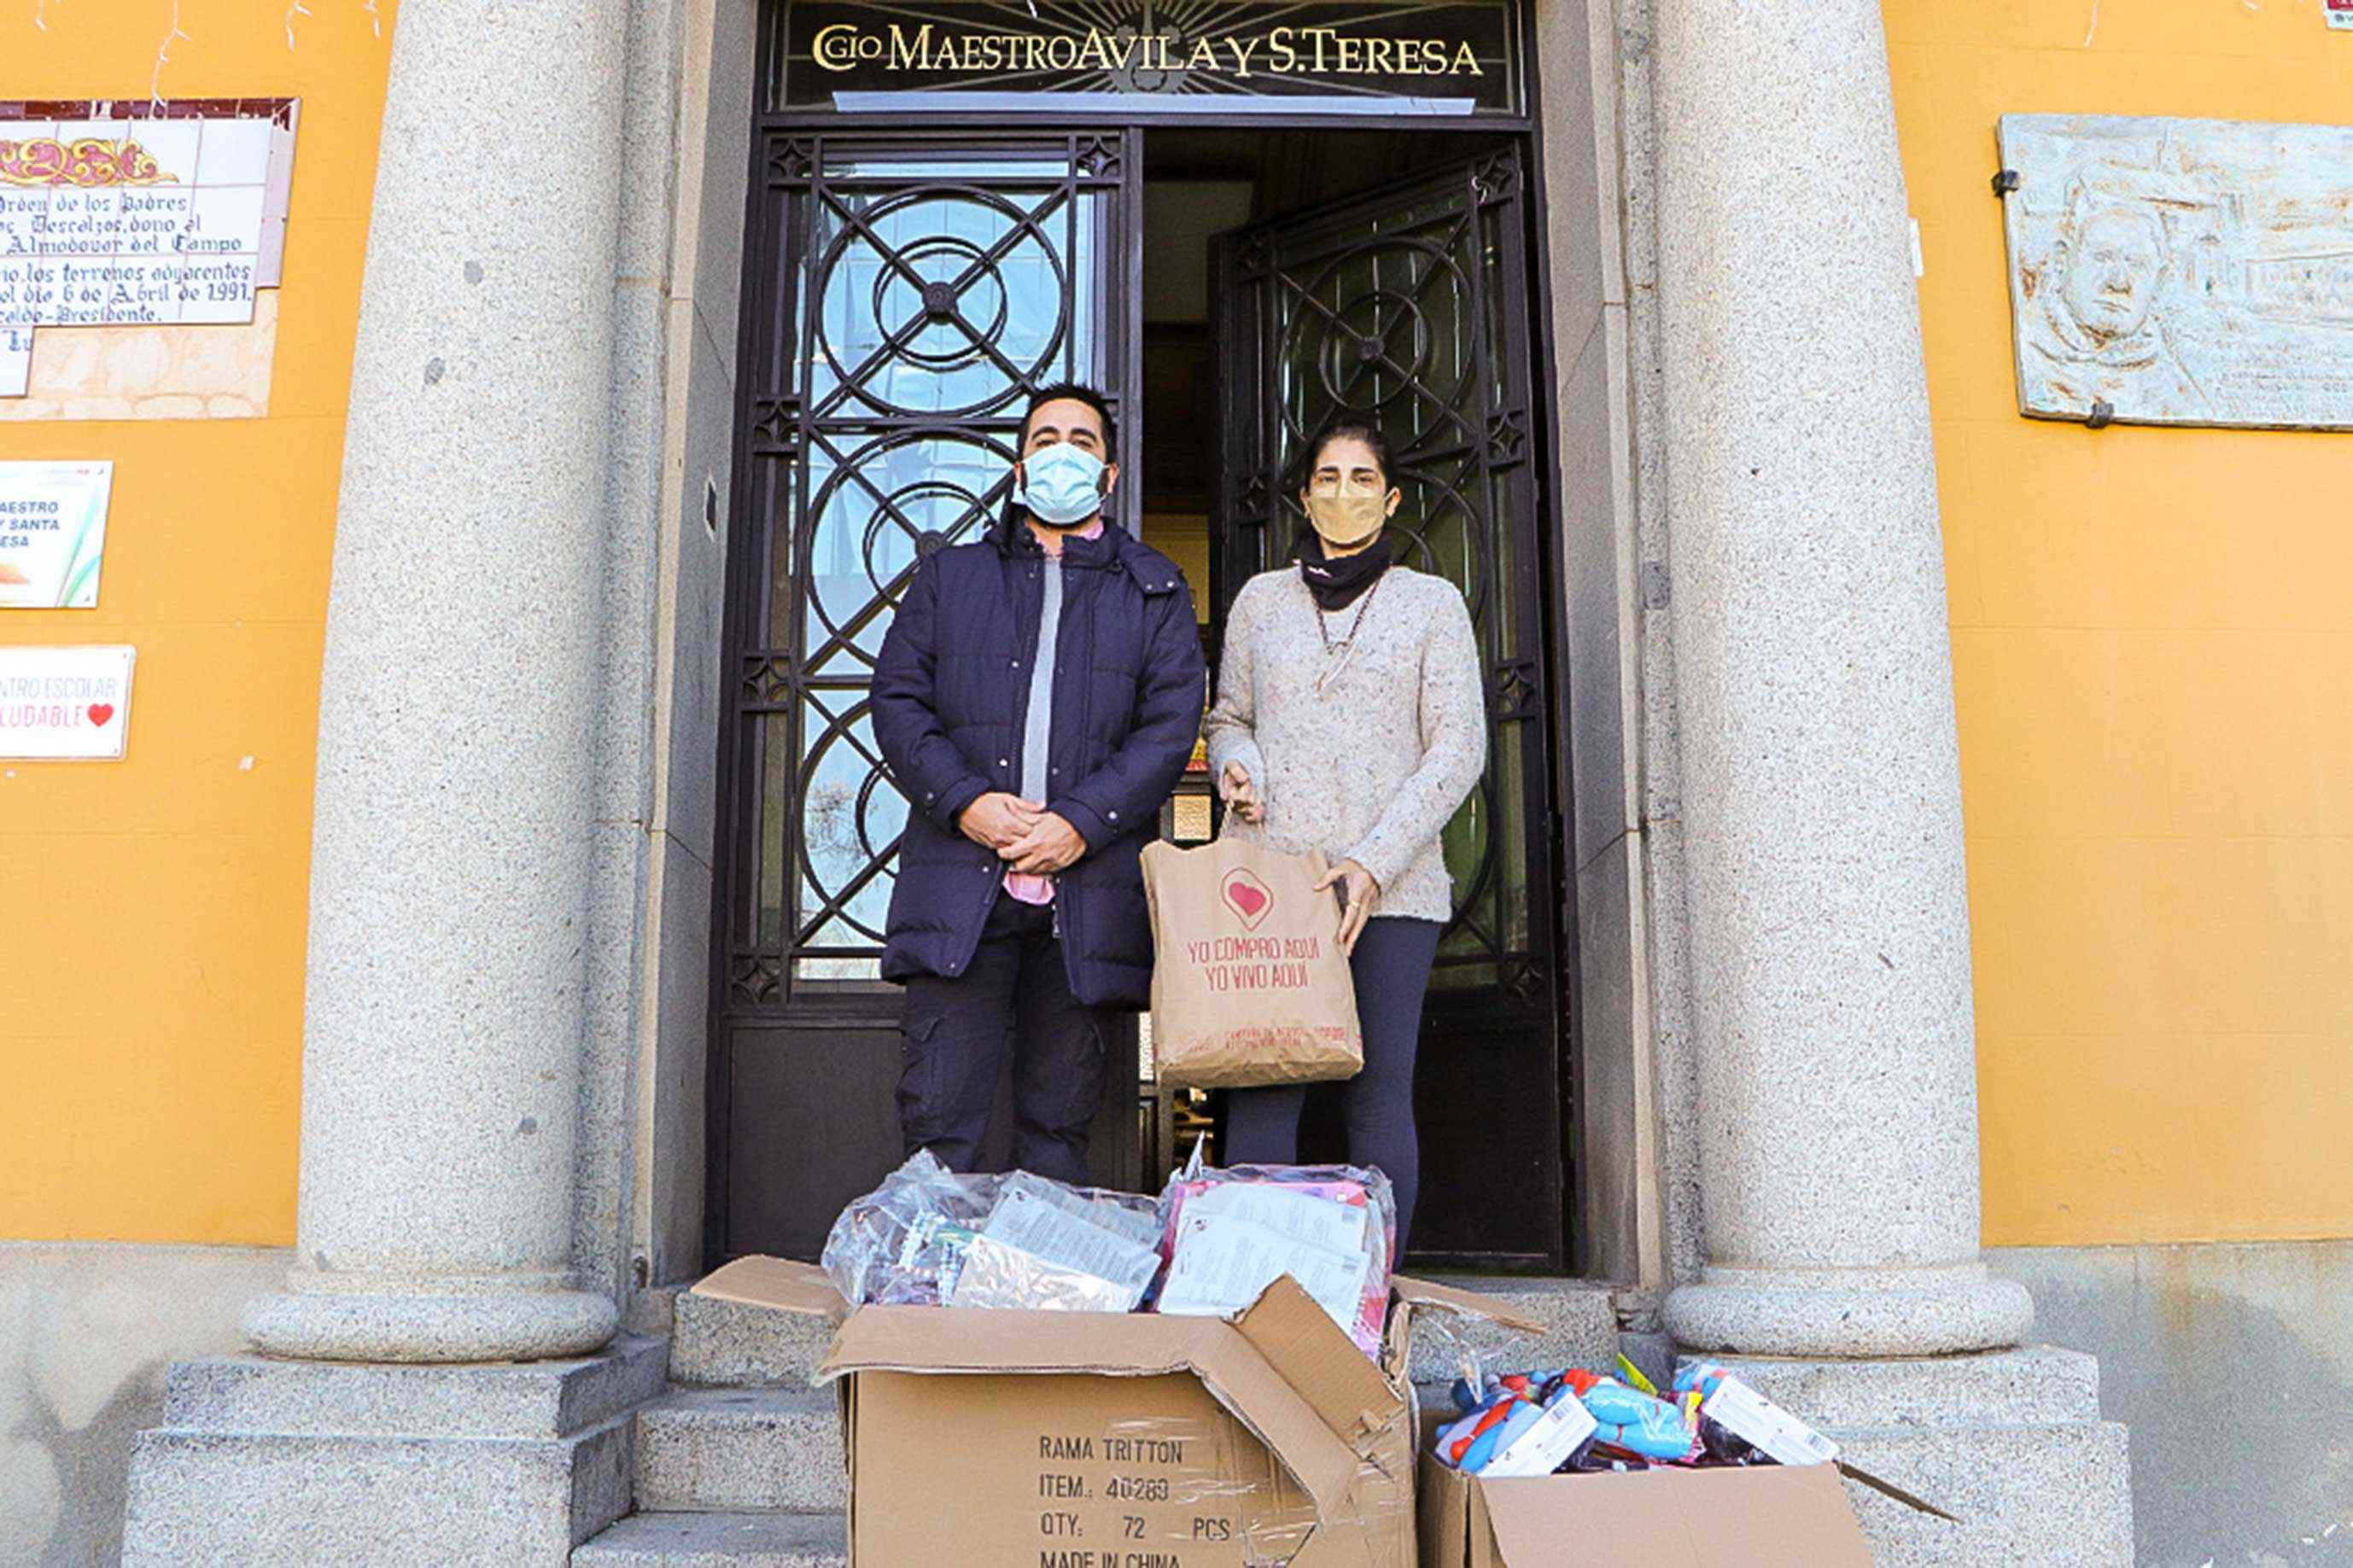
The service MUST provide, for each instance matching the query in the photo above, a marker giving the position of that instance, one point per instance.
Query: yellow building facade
(155, 1053)
(2151, 660)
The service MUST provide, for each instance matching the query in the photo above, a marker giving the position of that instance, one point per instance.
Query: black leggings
(1391, 965)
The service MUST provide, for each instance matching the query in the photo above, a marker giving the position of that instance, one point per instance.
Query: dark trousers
(1391, 968)
(1017, 991)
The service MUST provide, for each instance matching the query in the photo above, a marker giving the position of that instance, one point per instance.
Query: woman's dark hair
(1354, 430)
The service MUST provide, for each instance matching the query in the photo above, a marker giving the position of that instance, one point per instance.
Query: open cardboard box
(1763, 1516)
(1119, 1440)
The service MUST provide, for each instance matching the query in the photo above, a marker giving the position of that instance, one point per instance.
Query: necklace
(1346, 646)
(1323, 626)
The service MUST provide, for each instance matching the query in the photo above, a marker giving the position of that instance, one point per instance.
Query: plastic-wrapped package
(1131, 1215)
(1229, 1233)
(1048, 1246)
(898, 1244)
(1525, 1424)
(1636, 1422)
(1739, 1426)
(929, 1261)
(928, 1237)
(999, 1274)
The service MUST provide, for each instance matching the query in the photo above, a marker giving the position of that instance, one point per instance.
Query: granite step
(2058, 1493)
(729, 1344)
(1579, 1317)
(538, 1399)
(720, 1540)
(2035, 1385)
(716, 1343)
(703, 1450)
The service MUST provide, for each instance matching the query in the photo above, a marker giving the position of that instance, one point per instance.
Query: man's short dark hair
(1077, 392)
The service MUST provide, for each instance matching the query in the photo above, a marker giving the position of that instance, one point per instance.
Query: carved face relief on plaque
(2181, 271)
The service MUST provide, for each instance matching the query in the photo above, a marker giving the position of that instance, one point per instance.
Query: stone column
(451, 849)
(1822, 786)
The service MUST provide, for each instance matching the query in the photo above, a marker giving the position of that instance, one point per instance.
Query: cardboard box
(1119, 1440)
(1761, 1516)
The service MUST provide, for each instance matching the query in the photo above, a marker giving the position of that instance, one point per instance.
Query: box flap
(1450, 1525)
(1421, 1295)
(1300, 1340)
(1733, 1518)
(776, 1282)
(952, 1340)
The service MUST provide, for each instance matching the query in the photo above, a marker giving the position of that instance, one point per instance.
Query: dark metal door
(907, 293)
(1410, 306)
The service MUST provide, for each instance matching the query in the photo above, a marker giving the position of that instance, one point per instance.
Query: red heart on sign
(99, 712)
(1247, 897)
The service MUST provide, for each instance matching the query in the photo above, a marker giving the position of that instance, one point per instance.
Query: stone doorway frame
(1622, 1218)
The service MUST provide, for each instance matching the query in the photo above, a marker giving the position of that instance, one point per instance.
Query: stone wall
(2232, 1363)
(87, 1329)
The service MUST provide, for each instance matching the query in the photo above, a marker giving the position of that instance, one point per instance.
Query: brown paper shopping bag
(1249, 986)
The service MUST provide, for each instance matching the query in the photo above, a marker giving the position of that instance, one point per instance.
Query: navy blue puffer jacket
(951, 697)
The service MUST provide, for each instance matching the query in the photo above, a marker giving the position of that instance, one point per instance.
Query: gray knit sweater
(1372, 768)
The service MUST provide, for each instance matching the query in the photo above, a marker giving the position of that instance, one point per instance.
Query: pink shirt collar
(1091, 530)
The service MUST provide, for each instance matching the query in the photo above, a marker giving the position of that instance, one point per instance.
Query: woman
(1350, 718)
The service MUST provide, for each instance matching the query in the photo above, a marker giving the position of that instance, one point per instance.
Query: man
(1037, 697)
(2099, 336)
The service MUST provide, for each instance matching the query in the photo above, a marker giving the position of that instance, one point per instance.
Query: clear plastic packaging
(1045, 1247)
(928, 1237)
(1229, 1233)
(1130, 1214)
(901, 1244)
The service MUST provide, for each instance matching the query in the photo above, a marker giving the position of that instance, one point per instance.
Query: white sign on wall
(148, 215)
(52, 533)
(63, 703)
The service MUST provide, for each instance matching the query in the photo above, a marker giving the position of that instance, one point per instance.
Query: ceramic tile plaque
(134, 220)
(2181, 271)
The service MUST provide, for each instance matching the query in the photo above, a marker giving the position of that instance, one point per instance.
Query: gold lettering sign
(1365, 52)
(1277, 51)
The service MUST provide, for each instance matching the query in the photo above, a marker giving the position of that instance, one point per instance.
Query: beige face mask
(1347, 520)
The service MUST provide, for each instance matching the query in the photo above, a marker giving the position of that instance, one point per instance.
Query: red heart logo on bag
(99, 712)
(1247, 897)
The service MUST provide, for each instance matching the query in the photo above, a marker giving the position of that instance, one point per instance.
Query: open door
(908, 291)
(1410, 306)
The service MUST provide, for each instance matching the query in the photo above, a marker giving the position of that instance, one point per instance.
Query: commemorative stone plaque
(2181, 271)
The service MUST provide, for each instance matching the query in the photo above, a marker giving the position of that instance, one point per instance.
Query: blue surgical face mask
(1062, 484)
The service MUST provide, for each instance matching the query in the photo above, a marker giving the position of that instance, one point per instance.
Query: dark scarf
(1337, 584)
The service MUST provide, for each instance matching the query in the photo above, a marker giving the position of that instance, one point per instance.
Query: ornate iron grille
(1408, 307)
(924, 288)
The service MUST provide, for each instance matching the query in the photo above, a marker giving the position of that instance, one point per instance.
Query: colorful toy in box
(1519, 1426)
(1752, 1430)
(1632, 1420)
(1512, 1426)
(1632, 1427)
